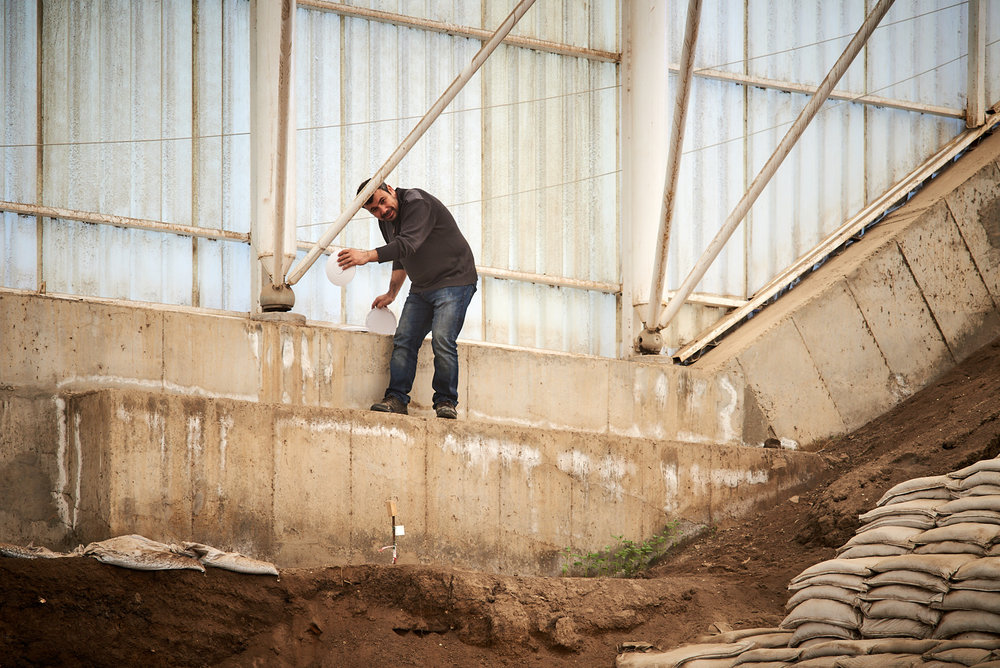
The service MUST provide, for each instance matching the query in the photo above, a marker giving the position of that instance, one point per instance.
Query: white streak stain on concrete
(735, 477)
(89, 382)
(308, 373)
(62, 476)
(671, 486)
(345, 428)
(78, 452)
(660, 390)
(534, 424)
(689, 437)
(574, 463)
(287, 352)
(483, 452)
(123, 414)
(195, 445)
(612, 470)
(728, 412)
(225, 425)
(253, 334)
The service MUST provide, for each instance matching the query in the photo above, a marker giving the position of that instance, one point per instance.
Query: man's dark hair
(362, 187)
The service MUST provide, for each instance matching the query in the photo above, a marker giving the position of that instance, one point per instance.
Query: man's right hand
(383, 300)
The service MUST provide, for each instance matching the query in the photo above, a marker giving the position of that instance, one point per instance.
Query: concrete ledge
(307, 486)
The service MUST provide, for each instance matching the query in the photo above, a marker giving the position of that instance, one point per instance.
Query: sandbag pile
(140, 553)
(917, 585)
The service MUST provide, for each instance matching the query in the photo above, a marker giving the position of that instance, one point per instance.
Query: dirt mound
(77, 611)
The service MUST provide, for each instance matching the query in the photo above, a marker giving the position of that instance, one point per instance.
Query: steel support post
(649, 339)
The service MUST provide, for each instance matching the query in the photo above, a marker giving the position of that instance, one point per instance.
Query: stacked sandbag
(917, 585)
(972, 606)
(824, 601)
(901, 593)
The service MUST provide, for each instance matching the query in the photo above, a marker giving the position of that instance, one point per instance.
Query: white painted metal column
(272, 149)
(650, 340)
(772, 164)
(975, 109)
(645, 131)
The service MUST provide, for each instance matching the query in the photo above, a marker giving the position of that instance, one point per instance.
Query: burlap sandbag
(839, 648)
(941, 565)
(901, 593)
(908, 487)
(981, 465)
(985, 568)
(951, 547)
(904, 645)
(963, 532)
(982, 584)
(918, 507)
(900, 610)
(755, 634)
(682, 656)
(908, 578)
(915, 521)
(955, 622)
(894, 628)
(846, 566)
(991, 478)
(140, 553)
(788, 654)
(979, 490)
(847, 596)
(980, 516)
(824, 611)
(989, 502)
(872, 550)
(845, 580)
(887, 535)
(813, 630)
(968, 599)
(880, 661)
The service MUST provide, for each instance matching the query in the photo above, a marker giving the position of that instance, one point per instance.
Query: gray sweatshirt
(426, 242)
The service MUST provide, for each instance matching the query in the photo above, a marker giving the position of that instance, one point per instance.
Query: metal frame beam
(805, 89)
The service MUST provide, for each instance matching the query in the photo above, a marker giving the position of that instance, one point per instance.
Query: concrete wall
(254, 434)
(307, 486)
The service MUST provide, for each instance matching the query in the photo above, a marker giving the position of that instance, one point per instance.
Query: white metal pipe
(975, 108)
(772, 164)
(284, 161)
(121, 221)
(411, 139)
(673, 165)
(806, 89)
(460, 30)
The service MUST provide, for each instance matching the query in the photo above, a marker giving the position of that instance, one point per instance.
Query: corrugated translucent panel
(17, 134)
(549, 188)
(579, 23)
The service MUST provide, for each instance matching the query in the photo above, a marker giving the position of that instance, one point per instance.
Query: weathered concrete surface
(885, 317)
(308, 486)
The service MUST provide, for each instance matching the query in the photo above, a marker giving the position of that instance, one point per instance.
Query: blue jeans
(442, 313)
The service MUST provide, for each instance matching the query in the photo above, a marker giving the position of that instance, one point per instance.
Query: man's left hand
(351, 257)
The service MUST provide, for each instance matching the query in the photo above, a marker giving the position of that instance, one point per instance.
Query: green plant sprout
(624, 558)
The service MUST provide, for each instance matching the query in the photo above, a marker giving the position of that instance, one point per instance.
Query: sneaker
(446, 410)
(390, 404)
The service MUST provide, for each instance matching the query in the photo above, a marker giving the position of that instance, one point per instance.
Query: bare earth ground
(80, 612)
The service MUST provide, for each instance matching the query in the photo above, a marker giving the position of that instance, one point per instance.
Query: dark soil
(77, 611)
